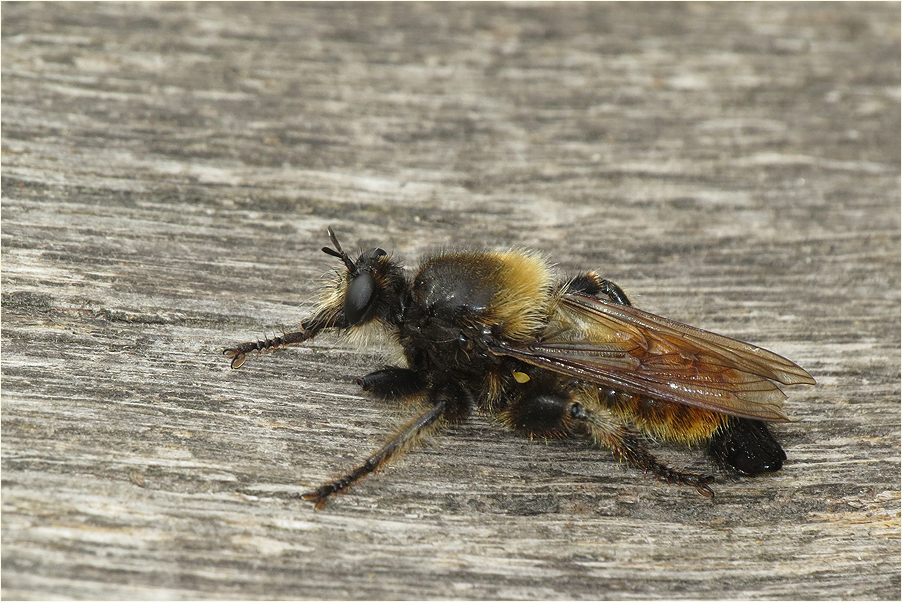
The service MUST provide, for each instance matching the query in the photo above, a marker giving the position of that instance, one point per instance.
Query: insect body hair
(497, 331)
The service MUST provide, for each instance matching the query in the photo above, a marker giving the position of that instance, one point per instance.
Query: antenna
(339, 252)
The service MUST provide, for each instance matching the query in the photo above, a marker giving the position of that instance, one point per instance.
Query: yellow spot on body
(521, 377)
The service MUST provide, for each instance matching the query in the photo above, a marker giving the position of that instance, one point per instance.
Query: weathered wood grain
(168, 174)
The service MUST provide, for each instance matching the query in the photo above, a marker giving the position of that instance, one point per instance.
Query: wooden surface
(169, 171)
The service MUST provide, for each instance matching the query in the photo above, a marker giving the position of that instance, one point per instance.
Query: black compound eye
(360, 295)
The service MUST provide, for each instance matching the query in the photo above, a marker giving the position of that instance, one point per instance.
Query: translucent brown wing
(634, 351)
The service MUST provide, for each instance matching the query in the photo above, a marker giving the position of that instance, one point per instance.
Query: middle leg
(450, 403)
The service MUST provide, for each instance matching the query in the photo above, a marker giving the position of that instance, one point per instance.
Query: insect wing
(634, 351)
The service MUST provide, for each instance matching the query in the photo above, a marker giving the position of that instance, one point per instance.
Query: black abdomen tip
(747, 447)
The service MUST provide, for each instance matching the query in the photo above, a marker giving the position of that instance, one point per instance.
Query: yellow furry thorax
(525, 289)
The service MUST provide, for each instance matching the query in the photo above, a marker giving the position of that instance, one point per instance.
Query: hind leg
(541, 409)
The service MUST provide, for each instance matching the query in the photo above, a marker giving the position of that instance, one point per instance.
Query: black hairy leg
(394, 383)
(632, 449)
(544, 411)
(629, 446)
(450, 403)
(592, 284)
(309, 329)
(238, 354)
(747, 447)
(413, 430)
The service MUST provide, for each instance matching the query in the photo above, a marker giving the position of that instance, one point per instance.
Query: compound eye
(359, 296)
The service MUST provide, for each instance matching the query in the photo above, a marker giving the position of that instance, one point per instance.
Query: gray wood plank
(168, 174)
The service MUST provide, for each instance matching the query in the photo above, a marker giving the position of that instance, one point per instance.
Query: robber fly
(496, 332)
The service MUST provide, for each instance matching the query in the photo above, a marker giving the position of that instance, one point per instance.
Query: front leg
(238, 354)
(324, 319)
